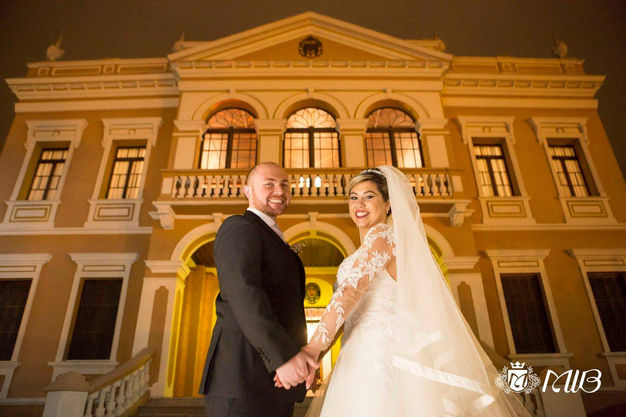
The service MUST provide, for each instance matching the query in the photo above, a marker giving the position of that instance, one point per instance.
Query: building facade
(117, 173)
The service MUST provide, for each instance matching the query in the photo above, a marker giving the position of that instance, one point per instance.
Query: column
(270, 136)
(353, 136)
(158, 320)
(187, 139)
(432, 133)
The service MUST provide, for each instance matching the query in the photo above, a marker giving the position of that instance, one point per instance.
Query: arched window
(230, 141)
(392, 139)
(311, 140)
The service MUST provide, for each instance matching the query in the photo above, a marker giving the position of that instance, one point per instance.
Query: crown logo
(518, 365)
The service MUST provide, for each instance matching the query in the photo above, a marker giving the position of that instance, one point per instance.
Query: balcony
(202, 192)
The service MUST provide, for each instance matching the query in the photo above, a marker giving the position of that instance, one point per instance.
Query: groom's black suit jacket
(260, 317)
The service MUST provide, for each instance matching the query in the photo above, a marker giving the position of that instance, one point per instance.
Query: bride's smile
(367, 206)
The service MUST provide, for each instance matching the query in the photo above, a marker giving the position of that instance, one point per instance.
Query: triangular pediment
(279, 41)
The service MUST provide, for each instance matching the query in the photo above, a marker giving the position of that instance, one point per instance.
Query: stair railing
(114, 394)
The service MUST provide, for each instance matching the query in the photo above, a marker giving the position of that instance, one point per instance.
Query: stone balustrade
(116, 393)
(324, 183)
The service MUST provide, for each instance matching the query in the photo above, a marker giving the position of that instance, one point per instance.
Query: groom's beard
(272, 208)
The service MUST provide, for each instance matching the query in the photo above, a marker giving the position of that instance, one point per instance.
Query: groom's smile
(268, 189)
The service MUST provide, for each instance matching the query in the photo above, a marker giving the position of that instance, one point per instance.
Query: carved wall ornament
(310, 47)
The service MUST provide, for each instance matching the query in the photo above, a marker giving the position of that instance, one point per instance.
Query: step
(192, 407)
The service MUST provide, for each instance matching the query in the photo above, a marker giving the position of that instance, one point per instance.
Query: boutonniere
(297, 247)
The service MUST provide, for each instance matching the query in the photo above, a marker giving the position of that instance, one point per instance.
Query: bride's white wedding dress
(406, 349)
(363, 371)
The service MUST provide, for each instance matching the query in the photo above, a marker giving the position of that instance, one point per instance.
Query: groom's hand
(295, 371)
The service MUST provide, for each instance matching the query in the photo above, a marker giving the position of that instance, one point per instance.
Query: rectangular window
(609, 293)
(13, 296)
(493, 175)
(126, 172)
(570, 177)
(529, 319)
(94, 325)
(47, 174)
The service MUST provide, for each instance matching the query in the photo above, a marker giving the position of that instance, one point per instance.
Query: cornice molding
(515, 84)
(48, 88)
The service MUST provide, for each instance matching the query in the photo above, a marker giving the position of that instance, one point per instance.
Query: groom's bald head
(262, 167)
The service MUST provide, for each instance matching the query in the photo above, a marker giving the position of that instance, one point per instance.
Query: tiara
(372, 171)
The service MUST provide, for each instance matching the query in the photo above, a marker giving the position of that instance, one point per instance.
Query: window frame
(40, 214)
(591, 209)
(93, 266)
(310, 131)
(497, 210)
(54, 162)
(392, 141)
(121, 214)
(231, 131)
(128, 171)
(528, 261)
(602, 260)
(20, 266)
(490, 170)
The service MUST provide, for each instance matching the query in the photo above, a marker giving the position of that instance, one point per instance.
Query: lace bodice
(355, 276)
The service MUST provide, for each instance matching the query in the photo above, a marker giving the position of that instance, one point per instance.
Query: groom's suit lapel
(282, 244)
(268, 229)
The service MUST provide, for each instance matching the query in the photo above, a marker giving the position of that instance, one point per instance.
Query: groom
(260, 317)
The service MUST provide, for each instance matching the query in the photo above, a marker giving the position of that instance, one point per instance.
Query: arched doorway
(321, 255)
(197, 320)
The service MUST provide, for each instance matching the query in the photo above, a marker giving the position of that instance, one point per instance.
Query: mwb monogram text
(574, 380)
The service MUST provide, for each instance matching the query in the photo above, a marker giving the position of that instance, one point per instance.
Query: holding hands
(298, 369)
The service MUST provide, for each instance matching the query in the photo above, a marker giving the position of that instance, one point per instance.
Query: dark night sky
(595, 30)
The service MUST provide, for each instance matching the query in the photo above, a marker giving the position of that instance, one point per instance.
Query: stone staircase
(191, 407)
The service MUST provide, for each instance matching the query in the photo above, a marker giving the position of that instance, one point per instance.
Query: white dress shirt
(269, 221)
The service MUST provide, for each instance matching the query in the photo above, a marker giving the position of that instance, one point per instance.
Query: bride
(406, 349)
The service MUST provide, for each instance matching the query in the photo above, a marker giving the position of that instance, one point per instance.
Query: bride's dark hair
(374, 175)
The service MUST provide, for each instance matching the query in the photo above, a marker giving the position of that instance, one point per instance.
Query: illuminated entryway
(321, 255)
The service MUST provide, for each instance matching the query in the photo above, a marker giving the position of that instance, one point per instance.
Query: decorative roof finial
(560, 48)
(178, 45)
(54, 51)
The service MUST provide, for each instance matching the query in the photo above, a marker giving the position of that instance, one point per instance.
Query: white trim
(99, 86)
(168, 267)
(104, 104)
(546, 227)
(83, 367)
(192, 235)
(574, 128)
(314, 224)
(309, 23)
(94, 265)
(460, 262)
(122, 129)
(341, 112)
(76, 231)
(518, 102)
(498, 127)
(602, 260)
(543, 359)
(516, 261)
(55, 130)
(15, 266)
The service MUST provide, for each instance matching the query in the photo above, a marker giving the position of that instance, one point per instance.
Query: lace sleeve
(377, 250)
